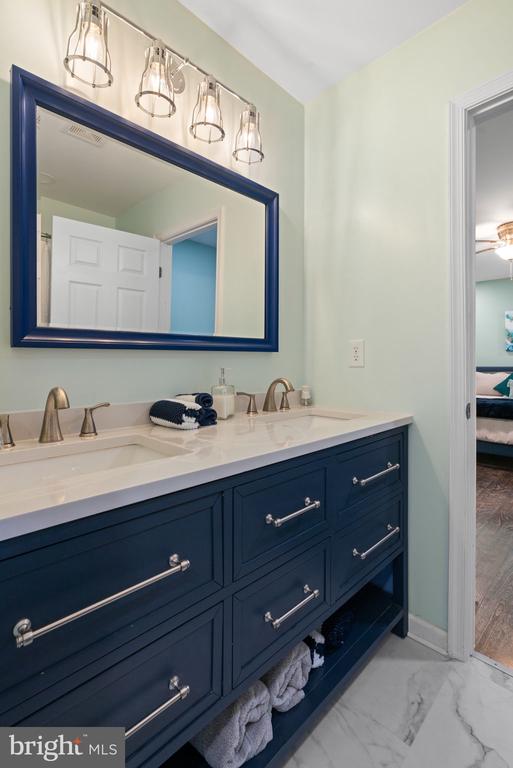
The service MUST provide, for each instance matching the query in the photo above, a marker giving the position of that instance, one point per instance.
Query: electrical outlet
(357, 353)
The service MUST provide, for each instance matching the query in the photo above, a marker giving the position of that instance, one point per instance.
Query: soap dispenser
(224, 397)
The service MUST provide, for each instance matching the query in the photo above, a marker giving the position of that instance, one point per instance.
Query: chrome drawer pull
(25, 635)
(277, 521)
(182, 691)
(313, 594)
(393, 532)
(390, 468)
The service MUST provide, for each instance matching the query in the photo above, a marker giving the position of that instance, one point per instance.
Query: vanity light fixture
(87, 54)
(156, 92)
(248, 142)
(207, 119)
(88, 59)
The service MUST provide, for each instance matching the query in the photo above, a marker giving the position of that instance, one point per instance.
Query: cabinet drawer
(359, 548)
(276, 513)
(136, 687)
(366, 473)
(57, 581)
(272, 611)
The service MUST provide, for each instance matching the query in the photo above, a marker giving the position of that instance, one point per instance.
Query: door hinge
(468, 411)
(160, 271)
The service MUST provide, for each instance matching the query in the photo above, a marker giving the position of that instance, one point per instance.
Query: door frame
(175, 236)
(464, 111)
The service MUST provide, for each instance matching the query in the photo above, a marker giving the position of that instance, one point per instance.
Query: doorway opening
(190, 296)
(481, 428)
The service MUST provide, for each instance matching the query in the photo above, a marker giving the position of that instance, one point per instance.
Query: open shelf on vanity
(376, 614)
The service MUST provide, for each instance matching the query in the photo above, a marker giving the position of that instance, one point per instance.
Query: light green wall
(119, 375)
(49, 208)
(377, 251)
(493, 298)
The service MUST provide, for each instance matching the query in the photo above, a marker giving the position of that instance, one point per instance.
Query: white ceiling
(307, 46)
(494, 187)
(109, 178)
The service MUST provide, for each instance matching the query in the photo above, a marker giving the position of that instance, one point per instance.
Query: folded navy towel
(175, 413)
(315, 641)
(204, 399)
(207, 417)
(336, 627)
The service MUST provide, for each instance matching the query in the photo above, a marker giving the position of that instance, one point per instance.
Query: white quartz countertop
(236, 445)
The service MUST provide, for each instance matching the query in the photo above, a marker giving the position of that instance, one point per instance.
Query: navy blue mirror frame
(27, 93)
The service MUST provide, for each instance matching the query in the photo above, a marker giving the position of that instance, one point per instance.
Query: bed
(494, 413)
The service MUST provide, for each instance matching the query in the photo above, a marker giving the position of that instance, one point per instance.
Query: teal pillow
(503, 388)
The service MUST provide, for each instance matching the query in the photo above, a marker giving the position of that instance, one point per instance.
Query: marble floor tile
(470, 724)
(398, 686)
(348, 739)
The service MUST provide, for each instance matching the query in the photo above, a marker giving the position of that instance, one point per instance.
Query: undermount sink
(51, 464)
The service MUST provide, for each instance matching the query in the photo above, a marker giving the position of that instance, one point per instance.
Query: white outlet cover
(357, 353)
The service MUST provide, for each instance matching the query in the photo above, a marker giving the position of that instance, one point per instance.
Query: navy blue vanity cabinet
(277, 512)
(112, 554)
(182, 669)
(276, 608)
(367, 471)
(270, 554)
(360, 547)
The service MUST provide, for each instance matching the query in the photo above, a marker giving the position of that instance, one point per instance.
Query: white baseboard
(428, 634)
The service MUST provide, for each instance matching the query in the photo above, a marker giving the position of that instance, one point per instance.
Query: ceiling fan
(503, 245)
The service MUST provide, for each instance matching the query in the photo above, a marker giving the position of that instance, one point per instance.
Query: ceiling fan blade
(487, 241)
(484, 250)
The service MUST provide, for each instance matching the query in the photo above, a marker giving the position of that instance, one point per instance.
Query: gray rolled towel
(288, 678)
(240, 732)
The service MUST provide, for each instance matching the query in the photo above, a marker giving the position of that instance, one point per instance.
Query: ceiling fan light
(505, 251)
(207, 119)
(87, 54)
(248, 142)
(156, 93)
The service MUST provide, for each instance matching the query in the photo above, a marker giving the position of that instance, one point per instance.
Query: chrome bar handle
(313, 594)
(392, 532)
(277, 521)
(366, 480)
(182, 691)
(25, 635)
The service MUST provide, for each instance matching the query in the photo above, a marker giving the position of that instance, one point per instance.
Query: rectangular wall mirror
(123, 239)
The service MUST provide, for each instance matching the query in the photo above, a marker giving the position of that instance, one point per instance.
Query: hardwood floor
(494, 587)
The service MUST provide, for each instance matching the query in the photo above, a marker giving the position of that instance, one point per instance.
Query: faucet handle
(88, 426)
(252, 409)
(284, 405)
(6, 440)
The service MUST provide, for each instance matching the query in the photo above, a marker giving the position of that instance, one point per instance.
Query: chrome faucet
(270, 402)
(6, 440)
(51, 429)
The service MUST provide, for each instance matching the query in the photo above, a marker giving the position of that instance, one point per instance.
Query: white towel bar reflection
(277, 521)
(366, 480)
(276, 623)
(25, 635)
(364, 555)
(182, 691)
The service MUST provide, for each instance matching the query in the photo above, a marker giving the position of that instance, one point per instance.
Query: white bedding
(494, 430)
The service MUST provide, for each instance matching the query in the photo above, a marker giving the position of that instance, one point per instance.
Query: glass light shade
(87, 55)
(505, 252)
(207, 120)
(156, 94)
(248, 142)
